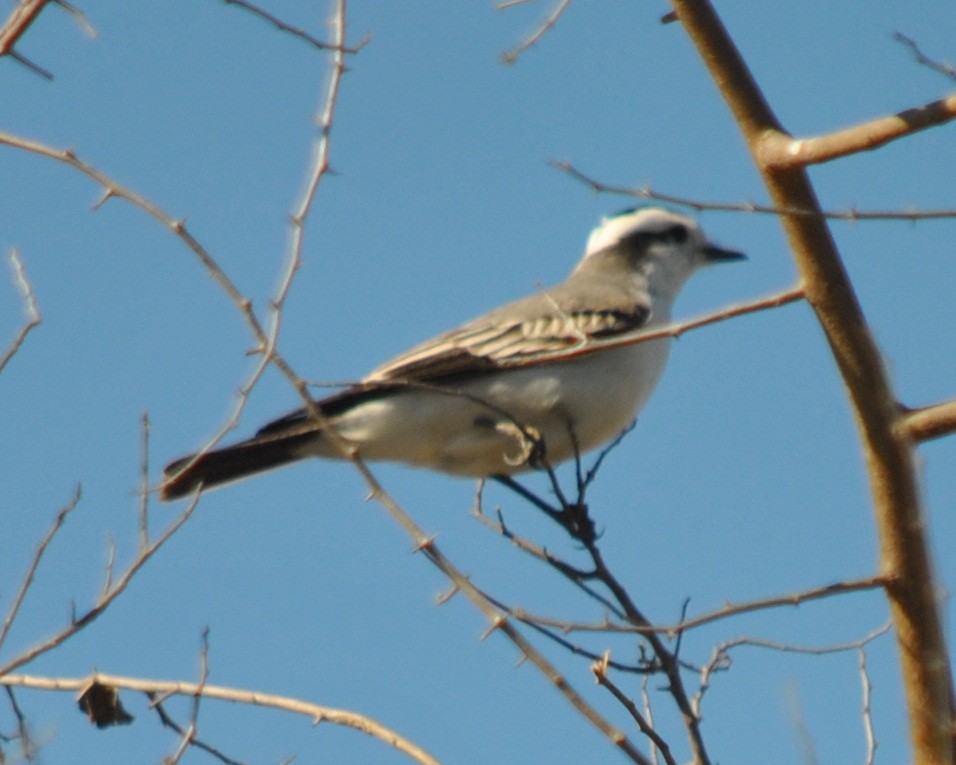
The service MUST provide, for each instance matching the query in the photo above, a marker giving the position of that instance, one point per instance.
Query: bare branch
(777, 151)
(599, 668)
(794, 599)
(103, 602)
(34, 67)
(265, 342)
(166, 688)
(929, 422)
(295, 31)
(170, 723)
(35, 564)
(511, 56)
(29, 301)
(720, 657)
(852, 215)
(498, 621)
(947, 70)
(78, 16)
(188, 737)
(888, 455)
(28, 748)
(729, 610)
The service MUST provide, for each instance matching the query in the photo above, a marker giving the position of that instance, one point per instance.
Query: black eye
(676, 233)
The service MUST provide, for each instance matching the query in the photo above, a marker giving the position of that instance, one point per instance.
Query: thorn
(496, 624)
(108, 193)
(443, 597)
(428, 543)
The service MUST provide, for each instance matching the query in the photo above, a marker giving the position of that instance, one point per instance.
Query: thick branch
(889, 456)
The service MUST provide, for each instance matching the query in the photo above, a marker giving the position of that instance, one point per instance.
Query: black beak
(715, 254)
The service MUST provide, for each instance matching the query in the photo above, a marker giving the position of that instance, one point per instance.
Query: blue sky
(743, 478)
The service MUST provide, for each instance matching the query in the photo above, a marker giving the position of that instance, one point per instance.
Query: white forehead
(651, 219)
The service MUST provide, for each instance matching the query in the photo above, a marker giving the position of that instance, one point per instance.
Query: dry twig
(511, 56)
(30, 304)
(698, 205)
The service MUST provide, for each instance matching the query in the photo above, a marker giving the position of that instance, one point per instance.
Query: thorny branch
(850, 216)
(728, 611)
(581, 528)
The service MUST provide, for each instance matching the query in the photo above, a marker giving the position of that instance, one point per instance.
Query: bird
(527, 384)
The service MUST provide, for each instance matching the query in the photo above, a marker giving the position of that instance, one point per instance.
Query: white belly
(594, 398)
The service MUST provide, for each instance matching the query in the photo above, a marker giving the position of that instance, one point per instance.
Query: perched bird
(525, 383)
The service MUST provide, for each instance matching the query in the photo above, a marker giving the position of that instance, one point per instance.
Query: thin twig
(144, 483)
(720, 657)
(668, 663)
(550, 634)
(648, 713)
(499, 622)
(730, 610)
(104, 601)
(30, 304)
(170, 723)
(511, 56)
(188, 736)
(947, 70)
(867, 710)
(35, 563)
(293, 30)
(28, 749)
(851, 216)
(599, 668)
(78, 16)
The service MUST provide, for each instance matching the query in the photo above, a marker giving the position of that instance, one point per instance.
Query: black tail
(230, 463)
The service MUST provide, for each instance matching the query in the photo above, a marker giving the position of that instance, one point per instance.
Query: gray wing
(529, 330)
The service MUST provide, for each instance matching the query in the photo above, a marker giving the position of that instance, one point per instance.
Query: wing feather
(490, 343)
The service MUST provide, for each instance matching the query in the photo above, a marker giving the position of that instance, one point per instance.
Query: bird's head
(661, 245)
